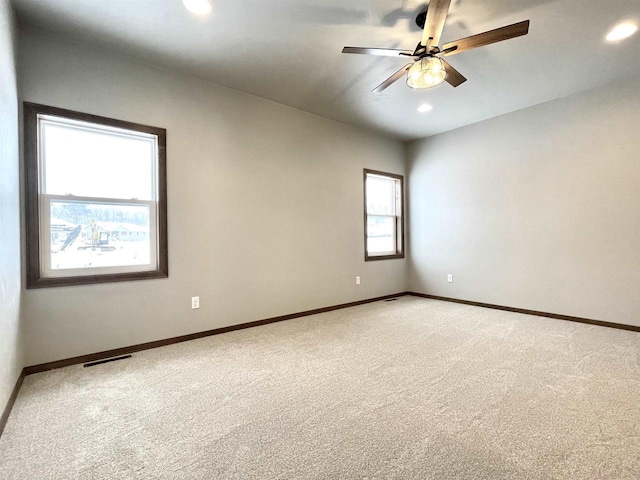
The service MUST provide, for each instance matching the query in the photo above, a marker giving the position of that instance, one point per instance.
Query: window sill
(369, 258)
(91, 279)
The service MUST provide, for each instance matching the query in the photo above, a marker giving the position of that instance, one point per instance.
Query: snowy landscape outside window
(96, 198)
(383, 215)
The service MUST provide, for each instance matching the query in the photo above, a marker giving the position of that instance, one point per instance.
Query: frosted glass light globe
(426, 73)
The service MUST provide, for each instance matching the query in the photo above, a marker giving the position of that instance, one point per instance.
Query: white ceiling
(289, 51)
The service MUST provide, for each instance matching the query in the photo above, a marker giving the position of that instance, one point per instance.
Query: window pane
(381, 234)
(109, 164)
(92, 235)
(95, 198)
(380, 195)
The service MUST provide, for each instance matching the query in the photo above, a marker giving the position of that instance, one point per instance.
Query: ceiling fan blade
(454, 77)
(434, 24)
(486, 38)
(383, 52)
(396, 76)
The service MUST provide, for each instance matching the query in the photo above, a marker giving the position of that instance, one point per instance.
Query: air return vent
(106, 360)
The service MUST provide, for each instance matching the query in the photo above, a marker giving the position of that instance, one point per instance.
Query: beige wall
(265, 206)
(11, 355)
(537, 209)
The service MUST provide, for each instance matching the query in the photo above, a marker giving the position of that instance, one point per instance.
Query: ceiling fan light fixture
(198, 7)
(427, 72)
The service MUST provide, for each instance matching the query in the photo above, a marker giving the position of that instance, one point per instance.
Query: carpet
(408, 389)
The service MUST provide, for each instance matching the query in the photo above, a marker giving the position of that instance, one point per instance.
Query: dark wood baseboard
(600, 323)
(92, 357)
(11, 401)
(184, 338)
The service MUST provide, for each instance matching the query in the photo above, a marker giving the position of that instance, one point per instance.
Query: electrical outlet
(450, 278)
(195, 302)
(357, 280)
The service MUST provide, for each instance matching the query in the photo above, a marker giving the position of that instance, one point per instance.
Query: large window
(383, 224)
(95, 198)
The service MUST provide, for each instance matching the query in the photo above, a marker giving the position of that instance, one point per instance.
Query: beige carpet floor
(410, 389)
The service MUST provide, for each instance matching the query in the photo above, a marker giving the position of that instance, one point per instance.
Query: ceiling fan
(428, 68)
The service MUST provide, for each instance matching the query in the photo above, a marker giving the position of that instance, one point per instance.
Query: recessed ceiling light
(424, 108)
(199, 7)
(622, 31)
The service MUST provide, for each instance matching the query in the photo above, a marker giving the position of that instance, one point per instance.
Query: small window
(95, 198)
(383, 223)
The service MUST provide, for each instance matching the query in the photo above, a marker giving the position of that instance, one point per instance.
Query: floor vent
(391, 300)
(106, 360)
